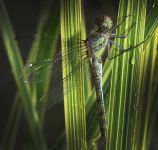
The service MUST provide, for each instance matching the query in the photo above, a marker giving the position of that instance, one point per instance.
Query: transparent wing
(47, 41)
(58, 89)
(35, 72)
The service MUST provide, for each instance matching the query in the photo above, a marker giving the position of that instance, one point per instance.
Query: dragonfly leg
(126, 34)
(115, 27)
(125, 50)
(116, 45)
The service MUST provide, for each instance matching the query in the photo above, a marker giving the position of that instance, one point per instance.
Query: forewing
(35, 72)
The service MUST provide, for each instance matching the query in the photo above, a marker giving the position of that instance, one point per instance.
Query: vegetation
(129, 81)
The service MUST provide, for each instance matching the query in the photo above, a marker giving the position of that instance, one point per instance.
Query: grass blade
(17, 65)
(71, 23)
(47, 31)
(125, 80)
(149, 99)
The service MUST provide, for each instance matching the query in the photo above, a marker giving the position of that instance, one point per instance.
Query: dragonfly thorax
(96, 43)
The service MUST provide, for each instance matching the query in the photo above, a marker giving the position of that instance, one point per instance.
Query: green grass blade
(126, 85)
(148, 95)
(71, 27)
(17, 65)
(48, 25)
(152, 20)
(126, 76)
(44, 48)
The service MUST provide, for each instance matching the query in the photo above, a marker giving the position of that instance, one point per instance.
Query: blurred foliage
(129, 81)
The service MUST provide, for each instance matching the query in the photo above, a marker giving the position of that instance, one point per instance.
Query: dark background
(24, 16)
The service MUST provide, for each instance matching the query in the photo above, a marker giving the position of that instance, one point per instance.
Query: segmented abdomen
(96, 68)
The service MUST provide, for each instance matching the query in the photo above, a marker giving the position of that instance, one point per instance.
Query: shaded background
(24, 16)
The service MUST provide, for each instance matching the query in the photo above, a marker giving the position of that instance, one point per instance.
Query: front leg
(123, 50)
(126, 34)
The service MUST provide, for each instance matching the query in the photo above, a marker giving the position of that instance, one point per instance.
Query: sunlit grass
(74, 103)
(128, 81)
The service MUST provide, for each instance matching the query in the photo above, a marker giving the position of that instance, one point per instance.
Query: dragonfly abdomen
(96, 68)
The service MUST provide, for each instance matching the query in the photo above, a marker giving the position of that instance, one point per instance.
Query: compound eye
(99, 20)
(103, 22)
(108, 23)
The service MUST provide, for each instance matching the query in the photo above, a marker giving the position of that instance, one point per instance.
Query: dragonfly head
(103, 23)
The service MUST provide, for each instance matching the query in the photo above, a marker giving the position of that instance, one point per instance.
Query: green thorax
(97, 43)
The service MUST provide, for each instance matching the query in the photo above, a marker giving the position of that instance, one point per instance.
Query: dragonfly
(99, 40)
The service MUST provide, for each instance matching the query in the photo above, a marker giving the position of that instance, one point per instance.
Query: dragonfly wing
(35, 72)
(59, 88)
(41, 42)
